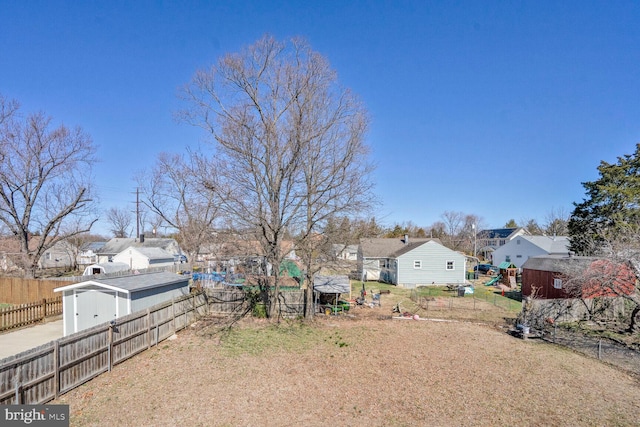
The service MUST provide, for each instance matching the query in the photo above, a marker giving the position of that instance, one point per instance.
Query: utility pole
(138, 213)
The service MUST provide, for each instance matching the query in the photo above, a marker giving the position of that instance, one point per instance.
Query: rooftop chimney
(406, 239)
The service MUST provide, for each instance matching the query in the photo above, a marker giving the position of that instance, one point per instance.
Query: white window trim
(557, 283)
(453, 265)
(417, 264)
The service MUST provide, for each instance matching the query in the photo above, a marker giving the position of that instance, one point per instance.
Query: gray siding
(149, 297)
(433, 258)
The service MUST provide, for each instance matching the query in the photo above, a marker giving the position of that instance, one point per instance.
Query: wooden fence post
(110, 347)
(56, 368)
(148, 328)
(44, 309)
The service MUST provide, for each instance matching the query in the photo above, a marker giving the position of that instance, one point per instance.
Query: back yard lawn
(355, 371)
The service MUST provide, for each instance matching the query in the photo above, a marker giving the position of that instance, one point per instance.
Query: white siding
(517, 254)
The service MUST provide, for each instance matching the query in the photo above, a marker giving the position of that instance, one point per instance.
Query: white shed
(93, 302)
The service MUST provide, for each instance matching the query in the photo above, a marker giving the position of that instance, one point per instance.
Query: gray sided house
(93, 302)
(418, 262)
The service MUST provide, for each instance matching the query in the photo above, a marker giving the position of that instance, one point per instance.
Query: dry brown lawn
(367, 370)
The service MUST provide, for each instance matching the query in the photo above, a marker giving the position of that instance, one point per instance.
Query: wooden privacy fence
(225, 302)
(26, 314)
(16, 290)
(42, 374)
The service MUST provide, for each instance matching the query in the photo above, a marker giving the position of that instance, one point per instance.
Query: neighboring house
(118, 245)
(418, 262)
(89, 253)
(60, 255)
(94, 302)
(487, 241)
(138, 258)
(519, 249)
(346, 252)
(106, 268)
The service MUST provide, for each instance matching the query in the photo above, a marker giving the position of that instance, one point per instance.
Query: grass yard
(364, 368)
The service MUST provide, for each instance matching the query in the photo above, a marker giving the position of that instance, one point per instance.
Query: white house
(418, 262)
(487, 241)
(94, 302)
(518, 250)
(141, 258)
(117, 245)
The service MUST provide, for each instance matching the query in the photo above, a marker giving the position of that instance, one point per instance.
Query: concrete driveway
(27, 338)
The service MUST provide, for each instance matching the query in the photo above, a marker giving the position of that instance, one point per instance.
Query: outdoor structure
(488, 241)
(93, 302)
(105, 268)
(139, 258)
(418, 262)
(327, 289)
(519, 249)
(508, 271)
(118, 245)
(547, 287)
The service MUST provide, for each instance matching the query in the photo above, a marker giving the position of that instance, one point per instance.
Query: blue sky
(499, 109)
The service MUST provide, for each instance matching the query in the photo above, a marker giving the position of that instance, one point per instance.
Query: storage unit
(93, 302)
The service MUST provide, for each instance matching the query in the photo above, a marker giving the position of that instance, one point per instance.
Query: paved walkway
(27, 338)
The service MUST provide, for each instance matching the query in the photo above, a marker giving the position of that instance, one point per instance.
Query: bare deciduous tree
(557, 222)
(289, 144)
(174, 191)
(120, 221)
(44, 182)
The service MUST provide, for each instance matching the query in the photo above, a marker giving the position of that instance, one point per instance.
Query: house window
(417, 264)
(507, 258)
(518, 242)
(47, 256)
(450, 265)
(557, 283)
(518, 256)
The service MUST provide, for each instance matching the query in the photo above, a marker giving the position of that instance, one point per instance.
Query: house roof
(499, 233)
(552, 245)
(153, 253)
(93, 246)
(117, 245)
(390, 247)
(132, 283)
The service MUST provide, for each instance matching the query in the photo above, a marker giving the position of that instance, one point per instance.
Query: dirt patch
(356, 370)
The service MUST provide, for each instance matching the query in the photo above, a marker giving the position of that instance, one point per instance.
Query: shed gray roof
(331, 284)
(557, 263)
(132, 283)
(390, 247)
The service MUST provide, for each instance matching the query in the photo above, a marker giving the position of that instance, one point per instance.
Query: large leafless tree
(289, 143)
(45, 183)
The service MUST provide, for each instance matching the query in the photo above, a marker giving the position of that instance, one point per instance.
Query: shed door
(93, 308)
